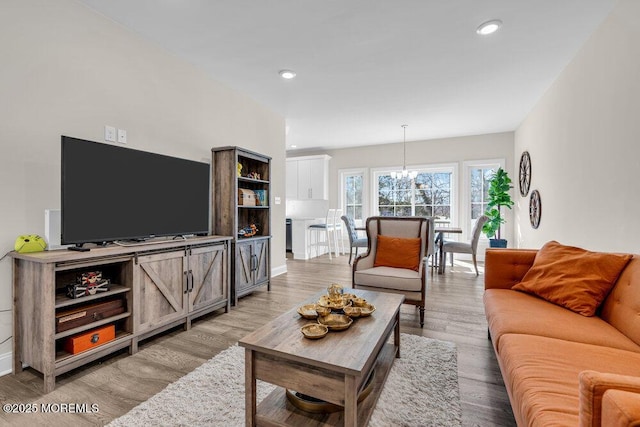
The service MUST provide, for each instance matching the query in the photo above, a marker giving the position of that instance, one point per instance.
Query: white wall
(69, 71)
(583, 138)
(437, 151)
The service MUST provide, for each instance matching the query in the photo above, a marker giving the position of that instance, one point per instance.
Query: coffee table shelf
(334, 368)
(276, 410)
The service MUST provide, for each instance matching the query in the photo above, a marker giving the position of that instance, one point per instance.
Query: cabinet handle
(185, 282)
(191, 280)
(254, 262)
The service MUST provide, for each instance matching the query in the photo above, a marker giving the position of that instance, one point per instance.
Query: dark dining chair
(354, 241)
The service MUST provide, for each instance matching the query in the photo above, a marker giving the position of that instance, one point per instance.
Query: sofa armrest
(503, 268)
(598, 407)
(620, 408)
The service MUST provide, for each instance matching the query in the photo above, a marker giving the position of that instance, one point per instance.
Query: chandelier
(405, 173)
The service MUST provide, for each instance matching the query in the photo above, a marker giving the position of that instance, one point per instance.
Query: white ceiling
(365, 67)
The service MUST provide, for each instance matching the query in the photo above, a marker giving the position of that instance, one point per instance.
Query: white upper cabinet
(308, 178)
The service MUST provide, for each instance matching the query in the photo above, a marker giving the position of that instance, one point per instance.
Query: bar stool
(338, 232)
(318, 229)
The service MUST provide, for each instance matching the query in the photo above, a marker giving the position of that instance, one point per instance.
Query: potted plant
(499, 196)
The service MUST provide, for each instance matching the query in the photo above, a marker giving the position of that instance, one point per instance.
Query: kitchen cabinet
(308, 178)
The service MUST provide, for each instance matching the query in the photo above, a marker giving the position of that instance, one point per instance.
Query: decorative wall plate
(525, 173)
(535, 208)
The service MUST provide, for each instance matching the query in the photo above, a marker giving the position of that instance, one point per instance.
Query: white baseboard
(6, 363)
(281, 269)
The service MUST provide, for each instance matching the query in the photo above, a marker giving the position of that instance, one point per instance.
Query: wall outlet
(110, 133)
(122, 136)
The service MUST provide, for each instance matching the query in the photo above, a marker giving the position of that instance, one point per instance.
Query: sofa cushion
(389, 278)
(541, 375)
(573, 277)
(622, 307)
(398, 252)
(509, 311)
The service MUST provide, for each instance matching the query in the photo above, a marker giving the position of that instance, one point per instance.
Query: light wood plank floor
(454, 312)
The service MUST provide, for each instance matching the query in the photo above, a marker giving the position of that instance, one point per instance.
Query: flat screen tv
(112, 193)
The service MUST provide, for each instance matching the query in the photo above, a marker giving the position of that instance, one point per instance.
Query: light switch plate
(110, 133)
(122, 136)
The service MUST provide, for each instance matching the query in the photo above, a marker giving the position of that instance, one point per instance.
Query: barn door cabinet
(160, 285)
(252, 266)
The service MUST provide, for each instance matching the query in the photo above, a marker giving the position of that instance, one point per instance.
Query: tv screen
(115, 193)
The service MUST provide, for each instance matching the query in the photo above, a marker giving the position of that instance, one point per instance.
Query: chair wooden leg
(351, 254)
(421, 316)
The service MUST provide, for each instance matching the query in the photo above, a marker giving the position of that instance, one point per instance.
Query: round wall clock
(525, 173)
(535, 208)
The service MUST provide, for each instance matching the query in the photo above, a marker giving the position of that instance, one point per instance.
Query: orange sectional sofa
(562, 368)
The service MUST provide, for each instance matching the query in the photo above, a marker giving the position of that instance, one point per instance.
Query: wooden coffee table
(334, 368)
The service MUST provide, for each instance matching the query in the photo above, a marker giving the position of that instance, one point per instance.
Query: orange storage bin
(90, 339)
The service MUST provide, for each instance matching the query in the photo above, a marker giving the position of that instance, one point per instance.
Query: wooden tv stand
(162, 286)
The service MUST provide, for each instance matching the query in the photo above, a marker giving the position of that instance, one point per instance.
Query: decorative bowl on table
(366, 310)
(314, 331)
(352, 311)
(359, 302)
(322, 311)
(336, 322)
(325, 301)
(308, 311)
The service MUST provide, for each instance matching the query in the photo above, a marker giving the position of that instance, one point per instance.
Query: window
(352, 194)
(429, 194)
(478, 173)
(480, 178)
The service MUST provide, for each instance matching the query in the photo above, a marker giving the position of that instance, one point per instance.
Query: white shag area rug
(421, 390)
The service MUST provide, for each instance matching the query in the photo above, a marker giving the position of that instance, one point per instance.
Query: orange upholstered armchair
(396, 259)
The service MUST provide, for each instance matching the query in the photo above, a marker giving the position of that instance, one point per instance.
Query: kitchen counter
(301, 238)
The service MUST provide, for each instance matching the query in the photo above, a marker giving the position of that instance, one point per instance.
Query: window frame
(343, 174)
(428, 168)
(465, 212)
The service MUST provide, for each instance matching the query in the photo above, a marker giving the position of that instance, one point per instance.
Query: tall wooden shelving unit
(251, 259)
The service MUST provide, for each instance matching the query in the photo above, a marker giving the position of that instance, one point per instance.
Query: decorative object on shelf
(499, 196)
(85, 314)
(239, 167)
(405, 173)
(261, 198)
(88, 283)
(535, 209)
(248, 231)
(246, 197)
(253, 175)
(29, 243)
(525, 173)
(90, 339)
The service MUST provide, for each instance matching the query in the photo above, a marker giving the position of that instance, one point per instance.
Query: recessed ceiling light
(489, 27)
(294, 146)
(287, 74)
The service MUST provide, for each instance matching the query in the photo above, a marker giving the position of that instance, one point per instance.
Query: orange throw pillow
(398, 252)
(573, 278)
